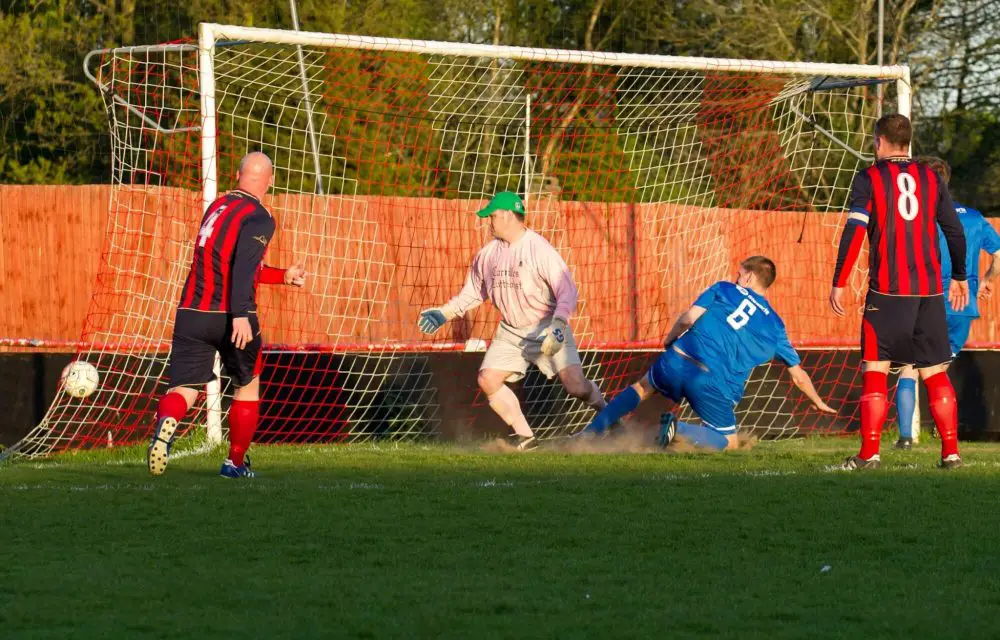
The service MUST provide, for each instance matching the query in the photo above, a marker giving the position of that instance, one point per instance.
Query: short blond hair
(763, 268)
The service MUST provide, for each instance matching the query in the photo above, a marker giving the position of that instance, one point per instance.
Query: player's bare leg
(505, 404)
(577, 385)
(944, 408)
(874, 409)
(170, 411)
(243, 417)
(906, 399)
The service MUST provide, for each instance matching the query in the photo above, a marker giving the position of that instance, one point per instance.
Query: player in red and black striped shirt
(218, 314)
(898, 204)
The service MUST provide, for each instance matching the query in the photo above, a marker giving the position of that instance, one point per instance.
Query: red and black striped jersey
(228, 255)
(898, 204)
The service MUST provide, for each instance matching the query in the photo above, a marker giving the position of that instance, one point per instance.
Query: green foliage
(54, 127)
(52, 123)
(970, 141)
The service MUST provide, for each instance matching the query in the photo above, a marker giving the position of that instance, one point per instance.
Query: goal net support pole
(209, 192)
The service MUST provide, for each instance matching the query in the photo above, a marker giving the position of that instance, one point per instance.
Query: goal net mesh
(652, 182)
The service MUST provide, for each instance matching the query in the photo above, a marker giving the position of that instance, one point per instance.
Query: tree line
(54, 125)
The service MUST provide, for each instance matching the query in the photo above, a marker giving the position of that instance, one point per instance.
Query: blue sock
(701, 436)
(906, 399)
(623, 404)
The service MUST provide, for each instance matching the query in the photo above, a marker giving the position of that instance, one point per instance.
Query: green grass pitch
(442, 541)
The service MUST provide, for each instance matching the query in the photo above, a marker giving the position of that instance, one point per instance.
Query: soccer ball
(80, 379)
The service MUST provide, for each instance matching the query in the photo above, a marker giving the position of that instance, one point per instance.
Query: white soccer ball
(80, 379)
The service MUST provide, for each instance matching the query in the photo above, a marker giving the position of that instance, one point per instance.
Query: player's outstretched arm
(804, 383)
(986, 286)
(294, 275)
(684, 322)
(852, 238)
(991, 245)
(471, 296)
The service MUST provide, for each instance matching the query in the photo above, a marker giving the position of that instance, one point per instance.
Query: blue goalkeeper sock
(623, 404)
(701, 436)
(906, 400)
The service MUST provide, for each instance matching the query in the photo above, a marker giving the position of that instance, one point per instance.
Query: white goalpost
(652, 175)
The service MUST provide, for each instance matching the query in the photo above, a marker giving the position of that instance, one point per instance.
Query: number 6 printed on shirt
(739, 318)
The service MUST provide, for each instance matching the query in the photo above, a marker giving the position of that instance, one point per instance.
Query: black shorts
(198, 336)
(905, 330)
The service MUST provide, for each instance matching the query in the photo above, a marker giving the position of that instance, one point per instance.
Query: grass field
(438, 541)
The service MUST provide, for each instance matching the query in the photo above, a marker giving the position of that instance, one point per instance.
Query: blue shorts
(958, 332)
(678, 378)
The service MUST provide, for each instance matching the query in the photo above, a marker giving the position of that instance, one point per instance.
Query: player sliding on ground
(709, 354)
(979, 236)
(530, 285)
(218, 314)
(898, 204)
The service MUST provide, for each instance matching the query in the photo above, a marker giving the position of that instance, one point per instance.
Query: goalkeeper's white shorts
(514, 349)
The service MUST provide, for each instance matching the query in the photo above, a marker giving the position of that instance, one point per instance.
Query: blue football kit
(713, 360)
(980, 235)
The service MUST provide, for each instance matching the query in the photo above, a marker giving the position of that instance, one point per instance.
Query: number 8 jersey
(898, 204)
(738, 331)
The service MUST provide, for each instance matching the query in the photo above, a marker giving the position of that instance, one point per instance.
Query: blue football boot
(230, 470)
(668, 429)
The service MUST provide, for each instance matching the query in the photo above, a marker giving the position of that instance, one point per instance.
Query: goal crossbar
(231, 35)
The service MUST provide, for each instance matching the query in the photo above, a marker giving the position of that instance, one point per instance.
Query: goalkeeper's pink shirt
(526, 280)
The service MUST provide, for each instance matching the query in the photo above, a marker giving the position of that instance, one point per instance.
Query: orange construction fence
(377, 261)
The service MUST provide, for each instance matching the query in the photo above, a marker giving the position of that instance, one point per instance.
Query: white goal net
(653, 176)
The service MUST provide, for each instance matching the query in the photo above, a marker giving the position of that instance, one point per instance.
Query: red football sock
(874, 408)
(944, 408)
(173, 405)
(242, 424)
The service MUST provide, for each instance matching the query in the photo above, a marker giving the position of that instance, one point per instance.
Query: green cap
(503, 201)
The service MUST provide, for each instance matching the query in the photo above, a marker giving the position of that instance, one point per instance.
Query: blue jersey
(980, 235)
(738, 331)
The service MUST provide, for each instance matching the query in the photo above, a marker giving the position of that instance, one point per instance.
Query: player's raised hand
(554, 337)
(431, 321)
(823, 407)
(295, 275)
(837, 300)
(958, 294)
(242, 333)
(986, 290)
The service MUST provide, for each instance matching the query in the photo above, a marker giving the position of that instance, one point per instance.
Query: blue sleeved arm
(954, 234)
(991, 239)
(785, 351)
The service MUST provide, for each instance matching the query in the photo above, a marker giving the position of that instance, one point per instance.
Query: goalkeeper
(530, 285)
(709, 354)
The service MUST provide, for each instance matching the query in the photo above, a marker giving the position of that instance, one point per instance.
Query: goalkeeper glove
(554, 336)
(431, 320)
